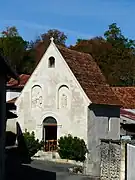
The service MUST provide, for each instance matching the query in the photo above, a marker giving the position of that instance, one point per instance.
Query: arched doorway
(50, 134)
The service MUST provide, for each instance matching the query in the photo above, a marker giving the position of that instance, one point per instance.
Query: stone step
(46, 155)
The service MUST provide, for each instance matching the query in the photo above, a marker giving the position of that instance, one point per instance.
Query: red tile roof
(23, 79)
(126, 95)
(88, 75)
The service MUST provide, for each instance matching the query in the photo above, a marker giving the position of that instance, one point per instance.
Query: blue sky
(76, 18)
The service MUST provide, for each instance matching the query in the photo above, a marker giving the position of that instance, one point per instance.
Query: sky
(76, 18)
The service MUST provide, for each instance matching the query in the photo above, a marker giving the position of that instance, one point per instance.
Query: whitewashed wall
(35, 104)
(11, 94)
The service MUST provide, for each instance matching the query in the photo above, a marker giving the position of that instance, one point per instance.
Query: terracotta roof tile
(23, 79)
(88, 75)
(126, 95)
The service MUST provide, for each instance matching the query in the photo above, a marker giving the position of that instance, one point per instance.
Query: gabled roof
(126, 95)
(14, 84)
(88, 75)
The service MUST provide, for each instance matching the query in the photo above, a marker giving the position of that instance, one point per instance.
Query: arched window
(51, 62)
(63, 97)
(49, 121)
(36, 96)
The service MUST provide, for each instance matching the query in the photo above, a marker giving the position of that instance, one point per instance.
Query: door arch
(50, 133)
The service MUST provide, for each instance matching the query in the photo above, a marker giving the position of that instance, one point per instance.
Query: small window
(109, 124)
(51, 63)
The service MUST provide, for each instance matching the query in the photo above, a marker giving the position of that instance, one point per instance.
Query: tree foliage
(10, 32)
(14, 47)
(72, 148)
(59, 37)
(114, 54)
(33, 145)
(22, 54)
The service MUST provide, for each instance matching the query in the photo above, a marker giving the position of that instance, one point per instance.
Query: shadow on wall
(10, 138)
(18, 157)
(15, 155)
(22, 148)
(105, 110)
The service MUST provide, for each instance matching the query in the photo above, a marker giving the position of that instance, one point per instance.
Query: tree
(59, 37)
(114, 53)
(116, 38)
(42, 42)
(14, 47)
(28, 63)
(124, 50)
(10, 32)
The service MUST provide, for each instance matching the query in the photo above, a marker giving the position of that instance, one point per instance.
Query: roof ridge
(72, 50)
(66, 48)
(87, 73)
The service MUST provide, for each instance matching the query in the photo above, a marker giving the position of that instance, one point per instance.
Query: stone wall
(110, 160)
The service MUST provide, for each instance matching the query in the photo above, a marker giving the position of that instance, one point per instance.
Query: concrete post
(2, 124)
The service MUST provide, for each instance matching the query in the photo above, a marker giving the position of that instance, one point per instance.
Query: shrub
(72, 148)
(33, 145)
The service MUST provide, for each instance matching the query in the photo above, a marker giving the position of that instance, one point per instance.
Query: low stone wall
(54, 156)
(110, 160)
